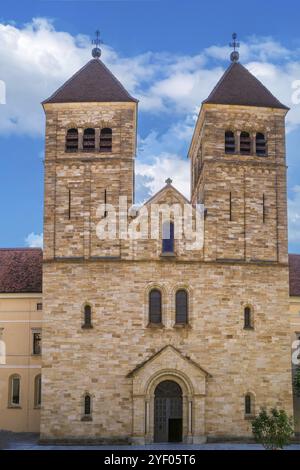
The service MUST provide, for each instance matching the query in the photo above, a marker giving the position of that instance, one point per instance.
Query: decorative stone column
(253, 143)
(138, 425)
(189, 437)
(80, 139)
(198, 408)
(237, 137)
(97, 139)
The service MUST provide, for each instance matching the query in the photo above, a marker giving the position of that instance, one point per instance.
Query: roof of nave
(294, 264)
(20, 270)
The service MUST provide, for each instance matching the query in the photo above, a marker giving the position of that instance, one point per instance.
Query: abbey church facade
(145, 341)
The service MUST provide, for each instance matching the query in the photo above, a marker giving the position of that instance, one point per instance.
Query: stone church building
(146, 340)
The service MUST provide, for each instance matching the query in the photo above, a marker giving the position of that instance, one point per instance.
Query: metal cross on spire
(96, 52)
(234, 56)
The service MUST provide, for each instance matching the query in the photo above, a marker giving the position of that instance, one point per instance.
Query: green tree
(273, 430)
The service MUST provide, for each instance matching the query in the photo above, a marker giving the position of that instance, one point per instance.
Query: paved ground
(12, 441)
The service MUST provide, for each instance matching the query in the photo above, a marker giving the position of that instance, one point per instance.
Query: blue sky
(167, 53)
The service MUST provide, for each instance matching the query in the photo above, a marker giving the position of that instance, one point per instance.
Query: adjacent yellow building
(20, 339)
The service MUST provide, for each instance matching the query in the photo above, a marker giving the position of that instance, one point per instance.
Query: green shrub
(273, 430)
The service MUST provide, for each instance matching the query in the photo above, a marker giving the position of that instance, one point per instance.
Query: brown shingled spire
(239, 87)
(92, 83)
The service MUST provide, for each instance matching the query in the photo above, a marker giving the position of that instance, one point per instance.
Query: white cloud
(36, 59)
(294, 215)
(162, 167)
(34, 240)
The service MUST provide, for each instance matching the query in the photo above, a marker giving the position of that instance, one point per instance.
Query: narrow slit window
(87, 317)
(105, 202)
(229, 142)
(230, 207)
(245, 143)
(248, 405)
(248, 320)
(69, 204)
(87, 405)
(264, 208)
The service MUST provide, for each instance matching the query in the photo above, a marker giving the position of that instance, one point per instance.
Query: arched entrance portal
(168, 412)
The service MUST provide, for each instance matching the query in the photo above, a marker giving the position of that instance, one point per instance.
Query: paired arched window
(261, 149)
(87, 317)
(14, 398)
(38, 391)
(249, 404)
(106, 140)
(72, 140)
(229, 142)
(181, 307)
(155, 307)
(245, 143)
(168, 237)
(248, 318)
(88, 143)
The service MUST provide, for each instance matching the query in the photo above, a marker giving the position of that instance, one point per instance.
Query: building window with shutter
(87, 317)
(245, 143)
(168, 238)
(155, 307)
(261, 150)
(229, 142)
(88, 144)
(14, 399)
(106, 140)
(181, 314)
(72, 140)
(36, 342)
(38, 391)
(87, 408)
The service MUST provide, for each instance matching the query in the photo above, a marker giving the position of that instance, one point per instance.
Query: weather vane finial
(96, 52)
(234, 56)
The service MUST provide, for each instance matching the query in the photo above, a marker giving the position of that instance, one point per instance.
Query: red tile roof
(239, 87)
(92, 83)
(21, 270)
(294, 262)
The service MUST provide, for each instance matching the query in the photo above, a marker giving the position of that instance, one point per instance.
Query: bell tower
(89, 160)
(239, 169)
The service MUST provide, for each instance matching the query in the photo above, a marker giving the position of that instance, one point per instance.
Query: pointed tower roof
(239, 87)
(92, 83)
